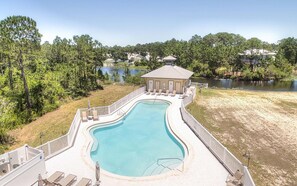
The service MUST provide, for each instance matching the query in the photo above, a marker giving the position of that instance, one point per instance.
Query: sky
(128, 22)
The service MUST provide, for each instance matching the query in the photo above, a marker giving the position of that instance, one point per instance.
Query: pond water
(250, 85)
(111, 70)
(223, 83)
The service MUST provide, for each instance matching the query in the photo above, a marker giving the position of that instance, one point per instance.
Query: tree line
(35, 77)
(217, 54)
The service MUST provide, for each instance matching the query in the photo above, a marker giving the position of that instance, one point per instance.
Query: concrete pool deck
(200, 166)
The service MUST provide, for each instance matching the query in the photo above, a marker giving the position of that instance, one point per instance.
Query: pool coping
(90, 141)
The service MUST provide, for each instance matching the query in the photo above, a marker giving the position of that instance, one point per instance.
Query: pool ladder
(155, 99)
(121, 112)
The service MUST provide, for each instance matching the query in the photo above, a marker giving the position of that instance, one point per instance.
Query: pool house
(168, 77)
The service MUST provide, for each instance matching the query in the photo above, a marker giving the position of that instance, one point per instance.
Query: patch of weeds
(287, 104)
(199, 112)
(207, 92)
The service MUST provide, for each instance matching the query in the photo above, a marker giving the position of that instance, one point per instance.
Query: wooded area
(35, 77)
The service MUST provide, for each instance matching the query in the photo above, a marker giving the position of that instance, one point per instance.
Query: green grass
(290, 78)
(207, 93)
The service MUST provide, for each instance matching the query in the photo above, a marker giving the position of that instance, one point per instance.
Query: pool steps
(164, 165)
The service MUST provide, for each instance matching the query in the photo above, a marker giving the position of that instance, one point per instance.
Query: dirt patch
(263, 123)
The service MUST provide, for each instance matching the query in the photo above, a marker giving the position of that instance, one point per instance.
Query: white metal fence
(60, 144)
(24, 164)
(74, 126)
(55, 146)
(104, 110)
(116, 105)
(222, 153)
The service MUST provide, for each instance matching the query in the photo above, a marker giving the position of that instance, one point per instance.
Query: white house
(253, 56)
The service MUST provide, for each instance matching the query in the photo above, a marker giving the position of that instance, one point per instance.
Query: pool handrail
(183, 163)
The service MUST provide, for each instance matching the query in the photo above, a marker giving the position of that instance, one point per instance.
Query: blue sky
(125, 22)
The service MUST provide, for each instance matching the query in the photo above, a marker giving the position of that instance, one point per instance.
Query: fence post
(224, 155)
(49, 148)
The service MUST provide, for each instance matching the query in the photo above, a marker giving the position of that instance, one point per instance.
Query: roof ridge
(169, 71)
(181, 73)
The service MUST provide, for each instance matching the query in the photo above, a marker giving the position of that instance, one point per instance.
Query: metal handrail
(162, 165)
(161, 159)
(121, 112)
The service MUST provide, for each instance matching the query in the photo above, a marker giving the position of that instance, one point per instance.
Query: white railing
(228, 160)
(56, 146)
(105, 110)
(116, 105)
(26, 172)
(74, 126)
(247, 178)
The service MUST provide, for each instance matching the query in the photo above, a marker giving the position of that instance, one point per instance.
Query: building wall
(164, 84)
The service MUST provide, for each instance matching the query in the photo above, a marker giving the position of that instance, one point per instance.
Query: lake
(223, 83)
(111, 70)
(250, 85)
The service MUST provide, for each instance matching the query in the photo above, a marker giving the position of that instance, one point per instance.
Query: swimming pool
(138, 145)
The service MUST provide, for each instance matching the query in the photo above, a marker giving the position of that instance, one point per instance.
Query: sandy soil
(263, 123)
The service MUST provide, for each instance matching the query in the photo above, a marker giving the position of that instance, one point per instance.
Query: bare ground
(263, 123)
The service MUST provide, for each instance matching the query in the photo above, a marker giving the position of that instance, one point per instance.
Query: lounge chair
(148, 92)
(167, 92)
(68, 180)
(84, 116)
(235, 180)
(84, 182)
(55, 177)
(154, 92)
(160, 92)
(47, 183)
(95, 115)
(173, 93)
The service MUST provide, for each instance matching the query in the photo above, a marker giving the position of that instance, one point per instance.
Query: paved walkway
(200, 166)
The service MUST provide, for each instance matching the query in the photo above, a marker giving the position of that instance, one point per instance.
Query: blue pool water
(138, 145)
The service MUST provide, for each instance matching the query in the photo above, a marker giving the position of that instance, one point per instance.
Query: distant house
(169, 60)
(107, 55)
(133, 57)
(253, 56)
(159, 59)
(147, 57)
(169, 77)
(109, 62)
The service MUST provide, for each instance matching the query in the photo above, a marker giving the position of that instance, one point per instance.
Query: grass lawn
(57, 123)
(263, 123)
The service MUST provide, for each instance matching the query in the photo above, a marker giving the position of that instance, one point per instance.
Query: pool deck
(200, 166)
